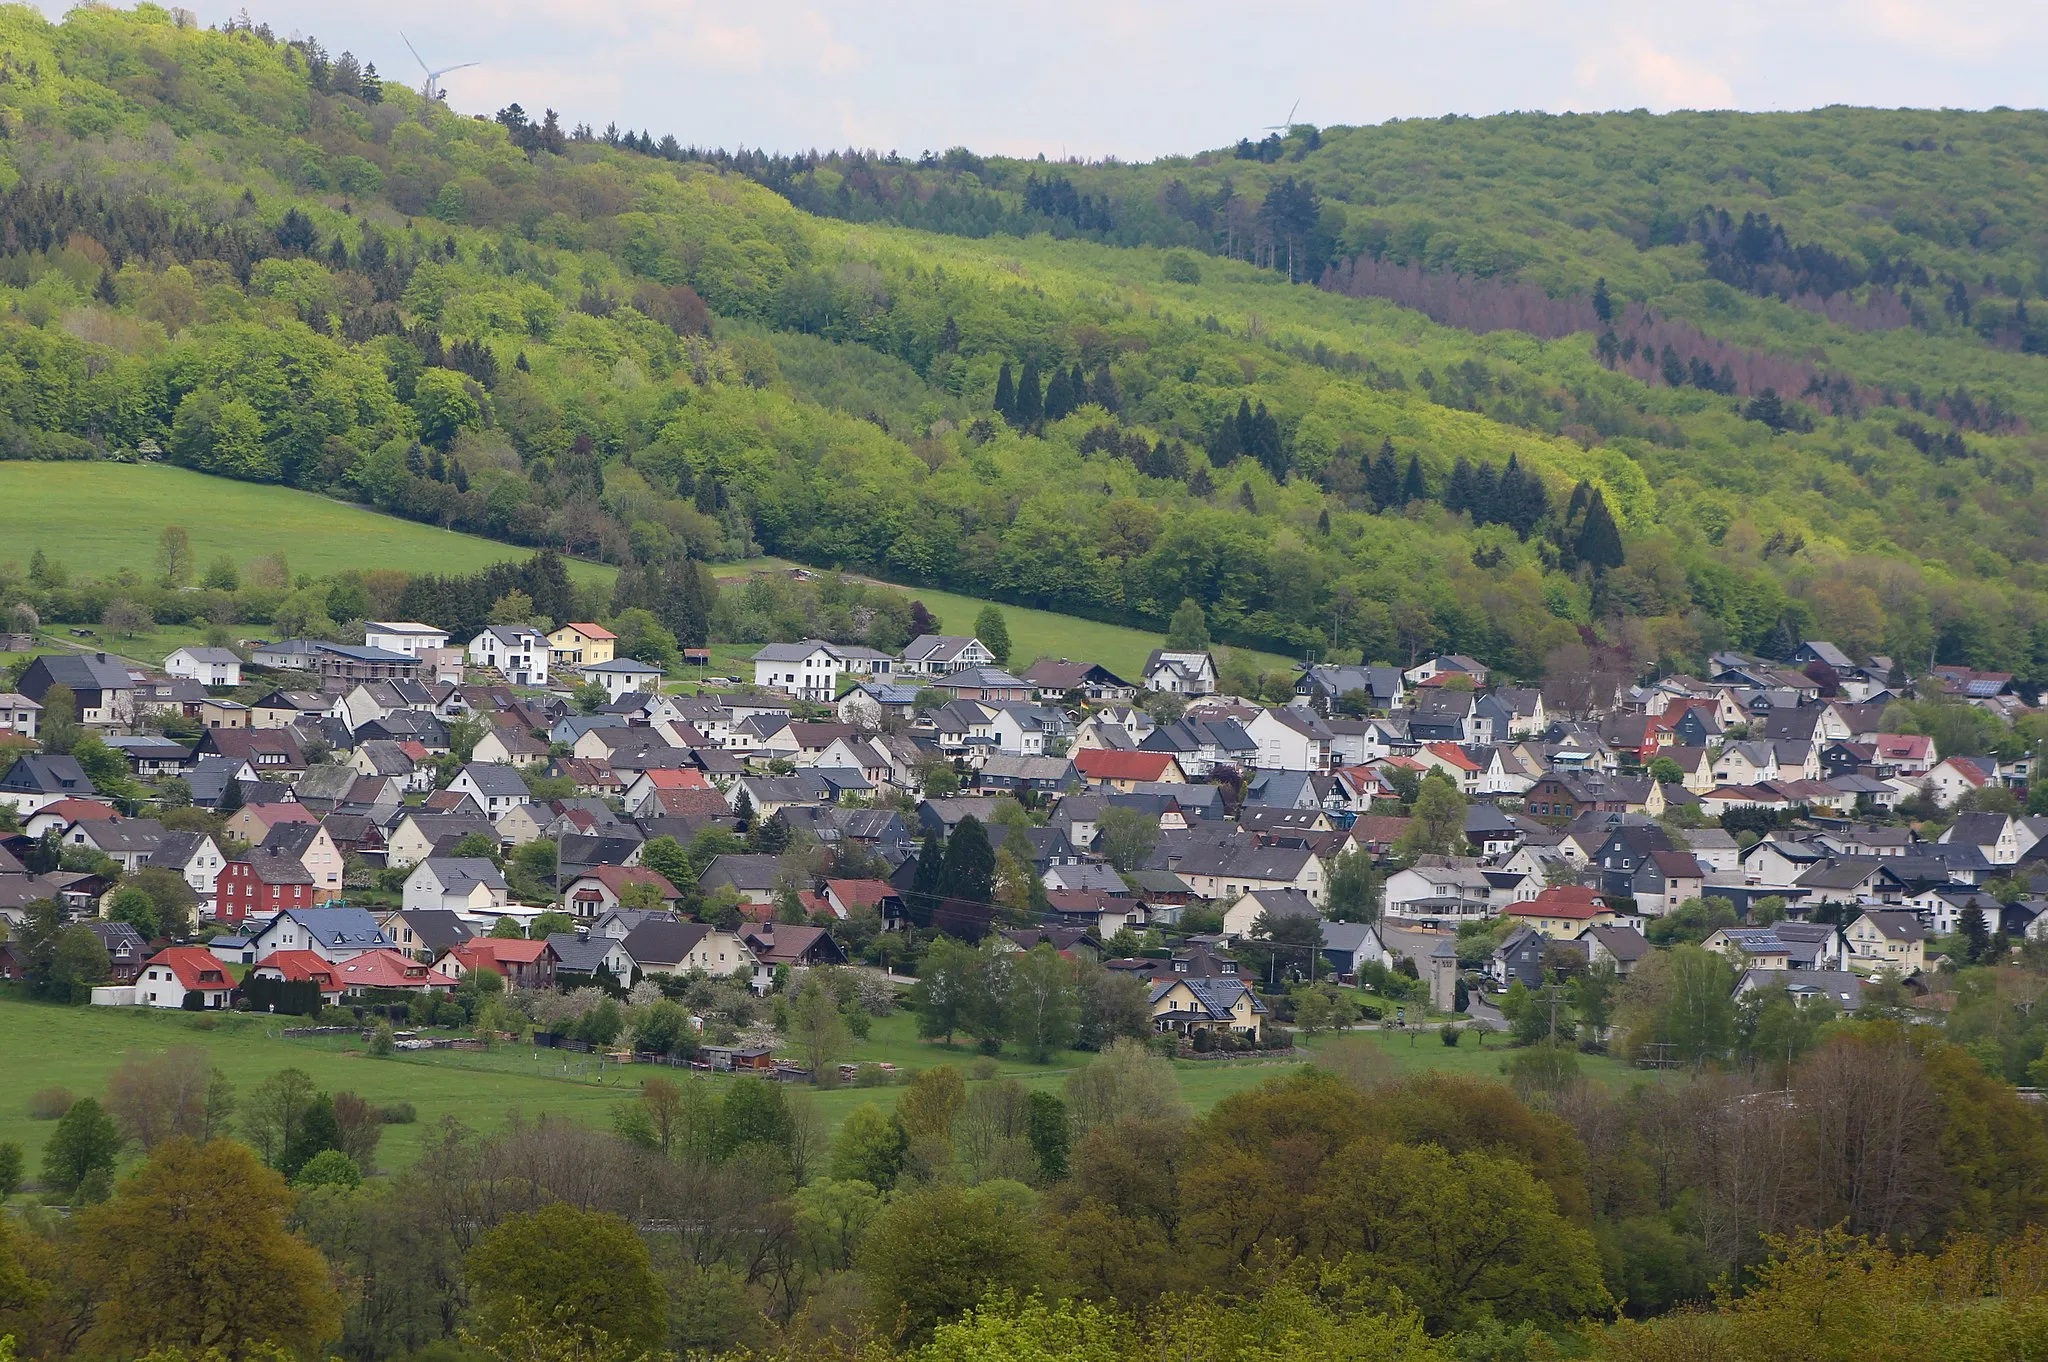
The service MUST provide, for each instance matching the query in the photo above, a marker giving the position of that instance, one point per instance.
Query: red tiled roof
(297, 965)
(617, 877)
(1452, 755)
(80, 810)
(195, 966)
(386, 969)
(861, 893)
(677, 778)
(592, 631)
(1105, 763)
(487, 952)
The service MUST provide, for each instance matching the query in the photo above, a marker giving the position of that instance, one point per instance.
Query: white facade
(18, 714)
(404, 636)
(516, 652)
(208, 666)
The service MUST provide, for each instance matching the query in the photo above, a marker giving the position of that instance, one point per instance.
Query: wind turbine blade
(1290, 113)
(463, 67)
(414, 50)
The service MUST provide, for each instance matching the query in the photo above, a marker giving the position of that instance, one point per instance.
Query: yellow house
(582, 645)
(1563, 911)
(1183, 1006)
(1882, 940)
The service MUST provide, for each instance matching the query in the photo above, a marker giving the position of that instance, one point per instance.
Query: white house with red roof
(1953, 777)
(1563, 911)
(169, 977)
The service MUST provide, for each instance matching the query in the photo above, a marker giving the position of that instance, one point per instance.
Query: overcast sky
(1140, 78)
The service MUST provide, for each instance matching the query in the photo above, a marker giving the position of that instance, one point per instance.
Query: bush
(451, 1016)
(984, 1068)
(382, 1040)
(205, 1021)
(329, 1168)
(49, 1104)
(990, 1045)
(397, 1114)
(1450, 1035)
(870, 1076)
(337, 1016)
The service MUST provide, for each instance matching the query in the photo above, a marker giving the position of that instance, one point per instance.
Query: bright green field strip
(99, 518)
(77, 1048)
(1033, 633)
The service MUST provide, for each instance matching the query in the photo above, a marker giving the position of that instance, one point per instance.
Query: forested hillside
(252, 258)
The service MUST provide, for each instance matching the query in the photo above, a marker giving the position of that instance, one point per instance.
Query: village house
(1180, 673)
(34, 782)
(18, 715)
(494, 788)
(334, 934)
(622, 676)
(1184, 1005)
(933, 655)
(459, 884)
(602, 888)
(810, 669)
(207, 666)
(425, 935)
(582, 645)
(101, 687)
(522, 964)
(1887, 939)
(1563, 911)
(516, 652)
(174, 974)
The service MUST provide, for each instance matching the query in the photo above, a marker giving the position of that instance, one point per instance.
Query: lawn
(98, 518)
(1033, 633)
(77, 1048)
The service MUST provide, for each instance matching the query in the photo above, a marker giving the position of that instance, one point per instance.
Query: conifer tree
(1077, 385)
(1102, 390)
(1458, 491)
(1599, 543)
(1006, 394)
(1383, 479)
(1413, 488)
(1030, 397)
(1603, 305)
(1059, 397)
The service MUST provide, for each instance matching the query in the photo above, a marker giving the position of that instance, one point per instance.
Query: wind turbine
(1280, 127)
(431, 87)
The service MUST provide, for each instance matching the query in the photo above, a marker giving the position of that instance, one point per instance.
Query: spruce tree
(930, 879)
(1458, 491)
(1006, 394)
(1030, 397)
(1077, 385)
(970, 863)
(1383, 479)
(1246, 499)
(1059, 398)
(1413, 488)
(1102, 390)
(1599, 542)
(1485, 502)
(1323, 521)
(1603, 305)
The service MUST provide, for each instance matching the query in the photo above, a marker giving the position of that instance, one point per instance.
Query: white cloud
(1634, 71)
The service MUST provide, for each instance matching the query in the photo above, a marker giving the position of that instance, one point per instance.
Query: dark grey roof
(494, 780)
(663, 942)
(439, 929)
(46, 775)
(580, 953)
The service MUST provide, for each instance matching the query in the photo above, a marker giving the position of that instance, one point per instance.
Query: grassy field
(1033, 633)
(77, 1048)
(99, 518)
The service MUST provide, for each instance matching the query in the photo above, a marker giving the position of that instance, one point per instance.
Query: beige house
(1183, 1005)
(1882, 940)
(582, 645)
